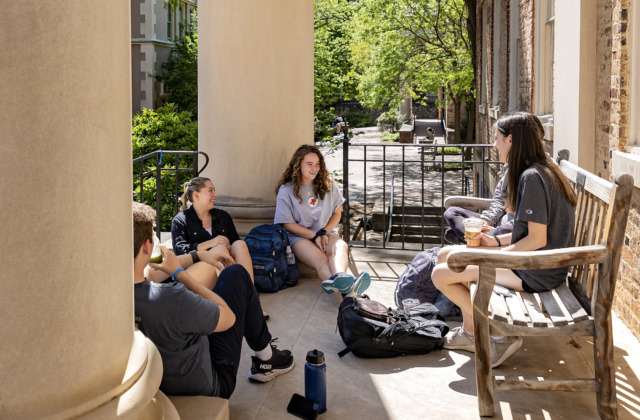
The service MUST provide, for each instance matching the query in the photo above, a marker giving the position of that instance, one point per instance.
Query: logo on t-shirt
(313, 202)
(529, 211)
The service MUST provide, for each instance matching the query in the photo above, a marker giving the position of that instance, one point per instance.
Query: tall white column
(255, 97)
(68, 344)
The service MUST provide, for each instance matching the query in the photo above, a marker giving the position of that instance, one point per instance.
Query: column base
(247, 213)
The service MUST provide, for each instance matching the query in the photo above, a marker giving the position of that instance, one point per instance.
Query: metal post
(346, 228)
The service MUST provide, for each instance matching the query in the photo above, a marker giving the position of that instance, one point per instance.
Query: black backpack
(418, 330)
(268, 248)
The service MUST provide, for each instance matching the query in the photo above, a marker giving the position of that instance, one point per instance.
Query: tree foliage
(333, 76)
(180, 71)
(400, 47)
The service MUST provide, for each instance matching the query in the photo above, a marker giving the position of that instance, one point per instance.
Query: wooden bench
(581, 307)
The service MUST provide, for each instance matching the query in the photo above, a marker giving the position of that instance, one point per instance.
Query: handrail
(393, 179)
(156, 173)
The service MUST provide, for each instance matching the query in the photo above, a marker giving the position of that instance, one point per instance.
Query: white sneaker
(459, 339)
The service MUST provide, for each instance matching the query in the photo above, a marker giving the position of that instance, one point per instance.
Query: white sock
(265, 353)
(496, 338)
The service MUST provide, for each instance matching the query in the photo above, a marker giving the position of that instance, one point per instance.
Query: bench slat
(572, 305)
(553, 308)
(498, 308)
(538, 319)
(515, 309)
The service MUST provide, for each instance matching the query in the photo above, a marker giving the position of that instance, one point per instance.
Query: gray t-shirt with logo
(540, 201)
(178, 321)
(312, 213)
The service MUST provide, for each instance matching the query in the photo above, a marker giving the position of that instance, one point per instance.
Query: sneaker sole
(269, 376)
(340, 284)
(362, 283)
(472, 349)
(514, 347)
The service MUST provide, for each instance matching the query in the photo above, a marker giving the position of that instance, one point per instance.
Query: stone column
(255, 98)
(68, 344)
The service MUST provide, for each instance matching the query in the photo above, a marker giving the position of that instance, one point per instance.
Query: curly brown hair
(322, 181)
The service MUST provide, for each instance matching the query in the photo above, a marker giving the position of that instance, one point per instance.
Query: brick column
(68, 344)
(255, 98)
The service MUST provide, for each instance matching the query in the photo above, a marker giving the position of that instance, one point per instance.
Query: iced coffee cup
(472, 228)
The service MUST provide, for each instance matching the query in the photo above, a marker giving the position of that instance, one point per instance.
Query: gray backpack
(416, 283)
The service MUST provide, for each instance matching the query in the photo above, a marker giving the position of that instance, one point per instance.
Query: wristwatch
(321, 232)
(194, 256)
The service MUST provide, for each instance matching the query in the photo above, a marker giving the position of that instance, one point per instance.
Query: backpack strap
(355, 345)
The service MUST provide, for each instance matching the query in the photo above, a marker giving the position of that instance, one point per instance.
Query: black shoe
(450, 237)
(265, 370)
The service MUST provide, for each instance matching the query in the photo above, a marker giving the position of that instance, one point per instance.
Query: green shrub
(390, 137)
(164, 129)
(322, 125)
(358, 119)
(391, 120)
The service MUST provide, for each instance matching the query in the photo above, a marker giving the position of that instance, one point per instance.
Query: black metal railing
(172, 173)
(421, 176)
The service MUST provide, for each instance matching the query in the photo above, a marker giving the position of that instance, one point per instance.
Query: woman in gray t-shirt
(543, 202)
(309, 206)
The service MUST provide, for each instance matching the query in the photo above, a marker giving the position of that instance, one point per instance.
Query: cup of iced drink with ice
(472, 228)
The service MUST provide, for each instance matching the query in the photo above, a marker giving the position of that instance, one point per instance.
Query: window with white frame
(545, 12)
(181, 20)
(170, 32)
(515, 52)
(495, 83)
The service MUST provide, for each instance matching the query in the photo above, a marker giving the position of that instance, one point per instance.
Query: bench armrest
(467, 202)
(458, 259)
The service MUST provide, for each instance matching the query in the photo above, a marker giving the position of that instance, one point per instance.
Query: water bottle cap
(315, 357)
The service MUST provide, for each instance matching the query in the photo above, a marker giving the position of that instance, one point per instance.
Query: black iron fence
(395, 192)
(158, 178)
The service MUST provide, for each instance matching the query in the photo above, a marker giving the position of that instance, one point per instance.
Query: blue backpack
(268, 249)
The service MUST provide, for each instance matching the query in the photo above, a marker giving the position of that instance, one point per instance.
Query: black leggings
(235, 287)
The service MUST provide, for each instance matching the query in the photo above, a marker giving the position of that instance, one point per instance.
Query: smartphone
(303, 407)
(501, 290)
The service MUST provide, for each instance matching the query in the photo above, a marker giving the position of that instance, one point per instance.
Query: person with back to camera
(198, 331)
(543, 204)
(201, 226)
(309, 206)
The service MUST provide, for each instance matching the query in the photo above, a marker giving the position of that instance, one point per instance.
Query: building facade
(154, 26)
(576, 66)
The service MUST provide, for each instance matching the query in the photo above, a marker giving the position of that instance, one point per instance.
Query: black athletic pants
(235, 287)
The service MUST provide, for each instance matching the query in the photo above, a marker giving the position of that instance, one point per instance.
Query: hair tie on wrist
(175, 273)
(497, 240)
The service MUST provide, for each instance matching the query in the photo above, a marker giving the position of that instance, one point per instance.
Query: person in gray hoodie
(496, 220)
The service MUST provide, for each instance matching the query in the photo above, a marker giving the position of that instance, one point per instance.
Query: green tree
(180, 71)
(333, 76)
(162, 129)
(401, 47)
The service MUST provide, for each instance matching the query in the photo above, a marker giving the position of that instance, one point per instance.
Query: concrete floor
(437, 385)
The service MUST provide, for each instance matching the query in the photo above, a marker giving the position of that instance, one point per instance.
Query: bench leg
(605, 368)
(484, 372)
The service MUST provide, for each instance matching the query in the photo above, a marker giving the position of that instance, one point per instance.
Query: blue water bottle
(315, 379)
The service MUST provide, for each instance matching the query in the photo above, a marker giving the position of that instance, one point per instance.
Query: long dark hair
(322, 181)
(527, 149)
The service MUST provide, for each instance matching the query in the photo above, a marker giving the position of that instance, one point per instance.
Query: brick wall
(612, 134)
